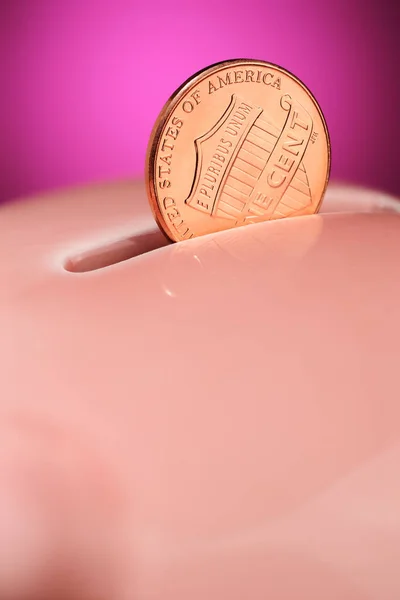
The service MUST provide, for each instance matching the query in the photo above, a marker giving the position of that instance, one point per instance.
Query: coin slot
(116, 252)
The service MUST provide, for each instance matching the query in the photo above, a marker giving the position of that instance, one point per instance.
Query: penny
(240, 142)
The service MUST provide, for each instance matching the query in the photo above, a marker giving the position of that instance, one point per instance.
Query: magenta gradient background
(83, 81)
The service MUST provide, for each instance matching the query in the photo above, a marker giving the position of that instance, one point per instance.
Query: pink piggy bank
(215, 419)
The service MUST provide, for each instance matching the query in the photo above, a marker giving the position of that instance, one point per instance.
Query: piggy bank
(213, 419)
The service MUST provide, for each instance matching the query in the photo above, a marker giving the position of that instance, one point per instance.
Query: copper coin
(240, 142)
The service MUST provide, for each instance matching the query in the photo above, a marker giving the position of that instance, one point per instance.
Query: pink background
(83, 81)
